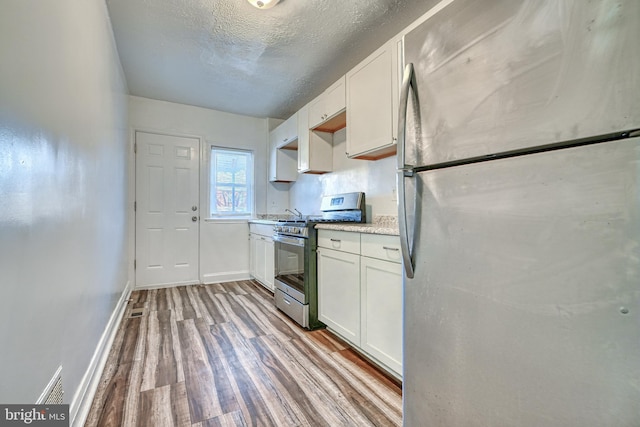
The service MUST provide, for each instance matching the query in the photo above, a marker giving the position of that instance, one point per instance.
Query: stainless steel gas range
(295, 242)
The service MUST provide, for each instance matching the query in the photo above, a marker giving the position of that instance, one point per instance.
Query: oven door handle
(287, 240)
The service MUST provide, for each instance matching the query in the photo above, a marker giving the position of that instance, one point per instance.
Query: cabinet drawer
(381, 246)
(261, 229)
(339, 240)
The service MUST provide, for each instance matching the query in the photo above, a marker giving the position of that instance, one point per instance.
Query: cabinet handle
(390, 249)
(336, 240)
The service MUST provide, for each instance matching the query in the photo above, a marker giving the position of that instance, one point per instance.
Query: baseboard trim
(230, 276)
(165, 285)
(81, 403)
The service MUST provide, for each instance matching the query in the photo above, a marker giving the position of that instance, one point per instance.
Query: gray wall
(64, 225)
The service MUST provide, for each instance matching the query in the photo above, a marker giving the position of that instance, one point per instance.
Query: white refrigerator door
(525, 306)
(500, 75)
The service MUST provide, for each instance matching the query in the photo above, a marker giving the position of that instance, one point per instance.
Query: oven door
(289, 265)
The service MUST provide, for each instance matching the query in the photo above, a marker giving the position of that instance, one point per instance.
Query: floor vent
(53, 393)
(136, 312)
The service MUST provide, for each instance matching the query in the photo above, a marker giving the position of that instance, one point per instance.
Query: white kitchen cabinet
(262, 255)
(326, 112)
(283, 162)
(339, 283)
(373, 293)
(381, 304)
(372, 104)
(315, 149)
(283, 165)
(286, 133)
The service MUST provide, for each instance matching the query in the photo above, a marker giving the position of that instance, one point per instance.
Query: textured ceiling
(229, 56)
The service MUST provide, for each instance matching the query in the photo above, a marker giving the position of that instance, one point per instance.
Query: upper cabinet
(283, 143)
(315, 149)
(372, 103)
(327, 111)
(286, 134)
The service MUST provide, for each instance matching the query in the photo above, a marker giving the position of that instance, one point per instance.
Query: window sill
(242, 220)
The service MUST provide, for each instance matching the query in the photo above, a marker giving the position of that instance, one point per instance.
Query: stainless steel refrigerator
(519, 207)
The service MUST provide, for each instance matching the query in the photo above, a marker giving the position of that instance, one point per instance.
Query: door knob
(194, 218)
(194, 208)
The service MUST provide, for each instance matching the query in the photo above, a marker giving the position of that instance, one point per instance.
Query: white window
(231, 183)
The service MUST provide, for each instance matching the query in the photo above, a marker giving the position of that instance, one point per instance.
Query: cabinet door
(381, 283)
(315, 149)
(339, 293)
(287, 132)
(335, 100)
(328, 104)
(303, 139)
(317, 111)
(269, 264)
(252, 255)
(370, 89)
(260, 261)
(282, 163)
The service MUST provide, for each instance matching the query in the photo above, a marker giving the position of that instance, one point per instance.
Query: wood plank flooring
(223, 355)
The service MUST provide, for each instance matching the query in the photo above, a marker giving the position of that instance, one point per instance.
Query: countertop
(361, 228)
(382, 224)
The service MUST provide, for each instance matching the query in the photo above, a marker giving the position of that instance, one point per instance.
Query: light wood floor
(223, 355)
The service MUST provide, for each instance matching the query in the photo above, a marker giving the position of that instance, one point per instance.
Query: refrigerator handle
(404, 171)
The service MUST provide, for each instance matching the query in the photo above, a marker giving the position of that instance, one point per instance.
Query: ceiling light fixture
(263, 4)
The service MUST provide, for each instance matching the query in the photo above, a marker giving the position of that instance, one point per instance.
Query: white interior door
(167, 209)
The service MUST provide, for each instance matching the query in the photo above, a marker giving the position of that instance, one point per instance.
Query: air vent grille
(53, 393)
(137, 312)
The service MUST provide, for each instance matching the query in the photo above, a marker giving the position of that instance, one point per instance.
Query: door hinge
(135, 264)
(135, 147)
(135, 206)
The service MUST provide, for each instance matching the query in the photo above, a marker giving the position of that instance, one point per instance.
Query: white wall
(224, 246)
(375, 178)
(64, 261)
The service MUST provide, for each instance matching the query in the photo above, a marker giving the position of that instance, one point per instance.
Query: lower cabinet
(360, 293)
(381, 311)
(261, 257)
(339, 292)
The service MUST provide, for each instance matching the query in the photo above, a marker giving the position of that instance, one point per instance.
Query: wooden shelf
(334, 124)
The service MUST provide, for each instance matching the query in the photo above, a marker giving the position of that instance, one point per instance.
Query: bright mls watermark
(34, 415)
